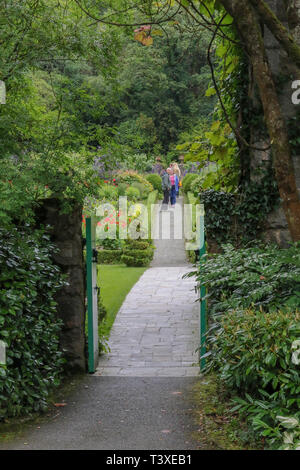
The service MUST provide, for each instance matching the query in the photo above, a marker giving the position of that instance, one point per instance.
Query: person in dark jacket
(166, 188)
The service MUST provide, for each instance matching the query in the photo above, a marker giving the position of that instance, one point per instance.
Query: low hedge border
(109, 256)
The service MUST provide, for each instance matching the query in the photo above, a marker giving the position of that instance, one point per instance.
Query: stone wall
(67, 235)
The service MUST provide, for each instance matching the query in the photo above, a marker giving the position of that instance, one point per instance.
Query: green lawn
(115, 282)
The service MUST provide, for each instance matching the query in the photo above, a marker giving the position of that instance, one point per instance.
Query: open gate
(202, 289)
(92, 294)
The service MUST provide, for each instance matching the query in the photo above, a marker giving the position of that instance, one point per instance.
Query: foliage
(252, 350)
(253, 295)
(107, 256)
(215, 141)
(238, 217)
(137, 253)
(129, 177)
(163, 88)
(28, 180)
(108, 192)
(132, 193)
(155, 180)
(187, 181)
(143, 190)
(256, 277)
(220, 428)
(110, 243)
(137, 244)
(138, 162)
(29, 325)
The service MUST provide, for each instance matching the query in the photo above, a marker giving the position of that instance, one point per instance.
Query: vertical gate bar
(203, 320)
(89, 290)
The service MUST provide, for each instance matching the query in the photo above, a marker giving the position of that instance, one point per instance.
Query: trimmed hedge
(142, 253)
(131, 261)
(109, 256)
(136, 244)
(137, 253)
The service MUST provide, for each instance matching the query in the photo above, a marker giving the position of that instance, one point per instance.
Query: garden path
(142, 396)
(156, 333)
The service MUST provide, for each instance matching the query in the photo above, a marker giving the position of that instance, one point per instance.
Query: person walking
(177, 172)
(174, 186)
(166, 188)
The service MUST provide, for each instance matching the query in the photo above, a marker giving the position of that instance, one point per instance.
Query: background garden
(95, 111)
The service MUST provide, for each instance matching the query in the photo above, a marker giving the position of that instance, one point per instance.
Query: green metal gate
(202, 289)
(92, 294)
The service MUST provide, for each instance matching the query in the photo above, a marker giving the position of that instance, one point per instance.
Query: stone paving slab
(156, 336)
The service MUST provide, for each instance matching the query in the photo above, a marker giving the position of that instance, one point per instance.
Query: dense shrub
(155, 180)
(137, 253)
(136, 244)
(130, 176)
(253, 352)
(253, 297)
(108, 192)
(110, 244)
(131, 261)
(122, 189)
(266, 277)
(28, 283)
(133, 194)
(143, 190)
(109, 256)
(187, 181)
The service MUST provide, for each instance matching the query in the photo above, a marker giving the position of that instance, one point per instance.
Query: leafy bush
(155, 180)
(111, 244)
(139, 162)
(122, 189)
(253, 352)
(29, 325)
(187, 181)
(133, 194)
(131, 261)
(137, 253)
(144, 190)
(136, 244)
(109, 256)
(266, 277)
(253, 295)
(108, 192)
(131, 176)
(196, 185)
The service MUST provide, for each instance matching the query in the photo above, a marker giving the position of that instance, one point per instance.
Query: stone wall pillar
(67, 236)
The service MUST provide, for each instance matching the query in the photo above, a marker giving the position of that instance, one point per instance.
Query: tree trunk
(250, 32)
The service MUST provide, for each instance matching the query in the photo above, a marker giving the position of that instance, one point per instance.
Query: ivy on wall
(239, 217)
